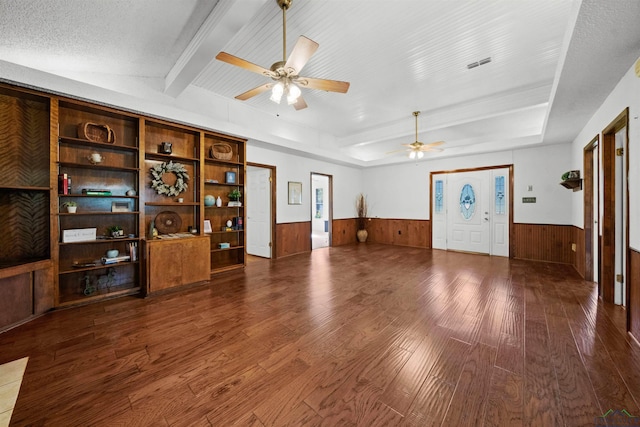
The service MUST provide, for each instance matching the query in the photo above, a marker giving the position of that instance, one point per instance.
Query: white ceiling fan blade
(397, 151)
(242, 63)
(255, 91)
(434, 144)
(323, 84)
(300, 55)
(300, 103)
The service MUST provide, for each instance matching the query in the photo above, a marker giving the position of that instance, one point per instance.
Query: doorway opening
(260, 210)
(321, 210)
(614, 240)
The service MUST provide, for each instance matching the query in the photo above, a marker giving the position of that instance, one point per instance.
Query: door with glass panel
(470, 211)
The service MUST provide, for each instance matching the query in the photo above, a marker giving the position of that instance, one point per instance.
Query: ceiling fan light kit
(286, 72)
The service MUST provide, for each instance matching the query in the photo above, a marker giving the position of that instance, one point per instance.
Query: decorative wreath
(162, 187)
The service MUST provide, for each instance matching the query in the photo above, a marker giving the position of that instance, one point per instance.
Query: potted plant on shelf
(115, 231)
(361, 217)
(71, 206)
(234, 197)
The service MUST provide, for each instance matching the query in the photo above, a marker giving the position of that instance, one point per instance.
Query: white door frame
(509, 183)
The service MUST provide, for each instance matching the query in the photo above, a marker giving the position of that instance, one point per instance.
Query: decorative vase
(362, 235)
(112, 253)
(209, 200)
(218, 202)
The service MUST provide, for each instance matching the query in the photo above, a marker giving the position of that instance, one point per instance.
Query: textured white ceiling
(552, 61)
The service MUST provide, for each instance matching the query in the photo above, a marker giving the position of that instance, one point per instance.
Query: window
(499, 191)
(439, 196)
(467, 202)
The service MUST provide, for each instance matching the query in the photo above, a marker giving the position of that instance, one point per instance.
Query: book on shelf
(95, 192)
(64, 184)
(132, 249)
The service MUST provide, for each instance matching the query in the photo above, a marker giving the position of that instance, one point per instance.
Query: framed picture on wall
(230, 177)
(295, 193)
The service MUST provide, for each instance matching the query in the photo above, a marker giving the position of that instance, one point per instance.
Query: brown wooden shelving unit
(224, 259)
(118, 172)
(40, 139)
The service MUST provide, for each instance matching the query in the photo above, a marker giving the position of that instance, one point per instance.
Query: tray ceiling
(399, 56)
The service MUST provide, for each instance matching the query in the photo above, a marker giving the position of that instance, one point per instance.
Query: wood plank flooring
(354, 335)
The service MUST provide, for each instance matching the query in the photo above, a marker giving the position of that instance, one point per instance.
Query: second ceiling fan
(417, 149)
(286, 73)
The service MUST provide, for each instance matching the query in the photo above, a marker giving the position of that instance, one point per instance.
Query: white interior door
(470, 211)
(258, 221)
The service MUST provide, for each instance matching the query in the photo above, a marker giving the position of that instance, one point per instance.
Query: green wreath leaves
(162, 188)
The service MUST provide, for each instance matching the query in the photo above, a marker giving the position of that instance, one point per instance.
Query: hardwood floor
(354, 335)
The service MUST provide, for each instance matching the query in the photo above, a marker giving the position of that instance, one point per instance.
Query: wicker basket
(221, 151)
(96, 133)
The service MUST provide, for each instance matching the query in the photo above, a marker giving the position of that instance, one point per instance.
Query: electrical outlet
(574, 247)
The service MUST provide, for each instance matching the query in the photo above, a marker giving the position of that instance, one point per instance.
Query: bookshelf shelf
(98, 213)
(98, 145)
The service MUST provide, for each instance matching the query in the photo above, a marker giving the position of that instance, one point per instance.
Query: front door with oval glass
(470, 211)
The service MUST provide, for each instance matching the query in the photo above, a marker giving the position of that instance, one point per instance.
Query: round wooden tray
(168, 222)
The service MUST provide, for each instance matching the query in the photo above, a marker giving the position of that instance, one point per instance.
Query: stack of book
(95, 192)
(115, 260)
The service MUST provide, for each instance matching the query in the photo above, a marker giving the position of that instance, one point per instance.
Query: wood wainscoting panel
(343, 232)
(401, 232)
(580, 254)
(634, 294)
(17, 299)
(544, 242)
(293, 238)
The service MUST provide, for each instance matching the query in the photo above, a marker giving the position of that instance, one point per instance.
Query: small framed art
(230, 177)
(120, 207)
(295, 193)
(207, 226)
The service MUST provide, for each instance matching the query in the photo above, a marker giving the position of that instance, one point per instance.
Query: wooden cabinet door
(195, 260)
(178, 262)
(165, 265)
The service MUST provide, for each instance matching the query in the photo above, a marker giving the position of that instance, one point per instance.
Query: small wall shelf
(574, 183)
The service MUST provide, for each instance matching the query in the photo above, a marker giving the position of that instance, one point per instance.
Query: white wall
(347, 183)
(626, 94)
(402, 190)
(542, 168)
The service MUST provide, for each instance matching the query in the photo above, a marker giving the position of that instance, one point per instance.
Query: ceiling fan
(286, 73)
(417, 149)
